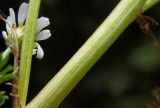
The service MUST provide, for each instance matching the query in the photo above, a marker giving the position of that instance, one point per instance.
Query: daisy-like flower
(18, 28)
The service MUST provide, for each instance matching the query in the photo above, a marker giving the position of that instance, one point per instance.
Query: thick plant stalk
(149, 4)
(58, 88)
(27, 48)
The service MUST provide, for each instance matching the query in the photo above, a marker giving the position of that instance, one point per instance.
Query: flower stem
(65, 80)
(15, 48)
(26, 51)
(15, 98)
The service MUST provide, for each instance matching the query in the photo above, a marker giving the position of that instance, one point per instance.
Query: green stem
(58, 88)
(27, 47)
(149, 4)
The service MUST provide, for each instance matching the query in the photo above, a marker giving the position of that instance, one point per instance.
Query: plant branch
(27, 48)
(65, 80)
(15, 48)
(15, 98)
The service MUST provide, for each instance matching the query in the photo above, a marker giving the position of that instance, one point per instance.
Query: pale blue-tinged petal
(12, 17)
(43, 35)
(40, 52)
(22, 13)
(42, 23)
(8, 25)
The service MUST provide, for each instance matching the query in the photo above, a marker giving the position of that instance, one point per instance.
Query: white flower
(11, 25)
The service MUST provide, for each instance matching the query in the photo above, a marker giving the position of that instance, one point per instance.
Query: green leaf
(3, 97)
(5, 76)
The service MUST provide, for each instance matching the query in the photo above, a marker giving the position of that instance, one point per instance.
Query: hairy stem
(15, 97)
(15, 48)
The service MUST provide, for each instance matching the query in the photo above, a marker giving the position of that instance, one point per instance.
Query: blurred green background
(123, 78)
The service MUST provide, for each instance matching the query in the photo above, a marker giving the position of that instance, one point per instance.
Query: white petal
(40, 52)
(34, 51)
(6, 53)
(4, 34)
(8, 24)
(43, 35)
(22, 13)
(12, 16)
(42, 23)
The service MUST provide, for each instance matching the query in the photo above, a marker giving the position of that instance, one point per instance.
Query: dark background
(123, 78)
